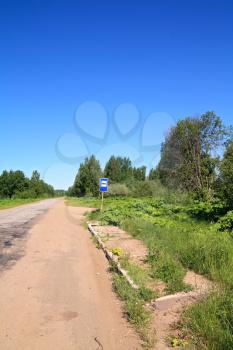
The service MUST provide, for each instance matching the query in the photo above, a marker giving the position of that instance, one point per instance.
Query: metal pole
(102, 202)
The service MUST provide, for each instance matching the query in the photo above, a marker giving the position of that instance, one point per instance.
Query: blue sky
(161, 60)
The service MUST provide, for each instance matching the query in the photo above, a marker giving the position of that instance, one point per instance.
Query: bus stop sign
(104, 184)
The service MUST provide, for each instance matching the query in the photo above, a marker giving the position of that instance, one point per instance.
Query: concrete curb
(111, 257)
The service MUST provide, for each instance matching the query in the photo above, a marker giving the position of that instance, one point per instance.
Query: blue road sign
(104, 184)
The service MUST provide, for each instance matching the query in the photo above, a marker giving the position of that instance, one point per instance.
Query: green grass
(205, 251)
(134, 308)
(141, 277)
(136, 313)
(176, 242)
(164, 263)
(210, 322)
(11, 203)
(83, 202)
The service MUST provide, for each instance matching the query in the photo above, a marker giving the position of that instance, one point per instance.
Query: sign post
(103, 188)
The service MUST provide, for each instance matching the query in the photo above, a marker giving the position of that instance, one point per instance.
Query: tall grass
(210, 322)
(164, 266)
(141, 277)
(205, 251)
(134, 308)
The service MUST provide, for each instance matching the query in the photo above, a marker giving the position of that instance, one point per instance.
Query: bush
(143, 189)
(167, 195)
(25, 194)
(118, 190)
(226, 222)
(207, 210)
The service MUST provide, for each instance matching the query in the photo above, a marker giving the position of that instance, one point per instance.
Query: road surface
(56, 293)
(14, 225)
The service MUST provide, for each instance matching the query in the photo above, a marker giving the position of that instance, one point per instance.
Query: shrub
(168, 195)
(207, 210)
(25, 194)
(143, 189)
(226, 222)
(118, 190)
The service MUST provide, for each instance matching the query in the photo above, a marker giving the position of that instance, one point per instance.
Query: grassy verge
(11, 203)
(164, 264)
(176, 242)
(210, 322)
(141, 277)
(83, 202)
(134, 307)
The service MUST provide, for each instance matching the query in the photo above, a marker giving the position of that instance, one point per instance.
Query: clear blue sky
(170, 56)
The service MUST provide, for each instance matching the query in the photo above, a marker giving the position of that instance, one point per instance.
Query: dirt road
(58, 295)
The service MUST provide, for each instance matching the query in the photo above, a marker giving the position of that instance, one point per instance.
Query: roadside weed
(134, 307)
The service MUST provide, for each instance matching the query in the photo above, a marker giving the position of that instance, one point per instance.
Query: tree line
(14, 184)
(189, 163)
(119, 170)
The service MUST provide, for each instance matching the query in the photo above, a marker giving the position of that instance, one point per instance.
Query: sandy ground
(114, 237)
(58, 295)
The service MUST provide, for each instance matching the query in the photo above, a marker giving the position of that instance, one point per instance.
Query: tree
(153, 174)
(126, 169)
(139, 173)
(12, 182)
(35, 176)
(87, 179)
(4, 185)
(16, 184)
(36, 185)
(39, 187)
(118, 169)
(60, 193)
(187, 160)
(71, 192)
(226, 176)
(113, 169)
